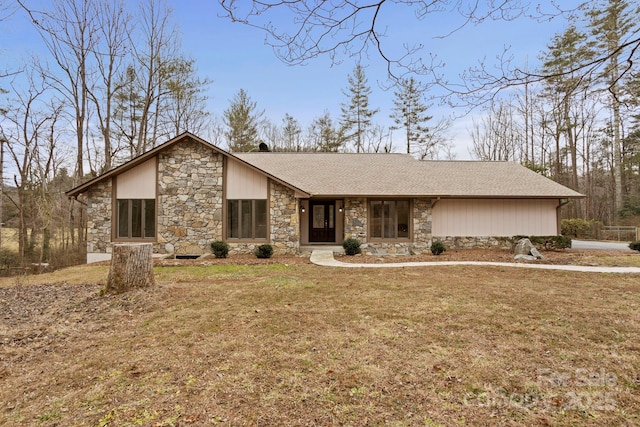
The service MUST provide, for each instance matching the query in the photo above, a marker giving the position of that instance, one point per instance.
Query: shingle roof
(345, 174)
(384, 175)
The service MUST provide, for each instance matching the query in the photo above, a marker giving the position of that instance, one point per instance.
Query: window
(136, 219)
(389, 219)
(246, 219)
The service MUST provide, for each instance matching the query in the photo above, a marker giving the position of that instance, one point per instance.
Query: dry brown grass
(306, 345)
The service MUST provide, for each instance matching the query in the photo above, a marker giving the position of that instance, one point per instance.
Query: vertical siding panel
(245, 183)
(470, 212)
(139, 182)
(494, 217)
(498, 217)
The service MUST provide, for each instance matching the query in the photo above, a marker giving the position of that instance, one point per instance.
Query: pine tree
(612, 22)
(242, 121)
(565, 90)
(409, 113)
(356, 114)
(324, 136)
(291, 133)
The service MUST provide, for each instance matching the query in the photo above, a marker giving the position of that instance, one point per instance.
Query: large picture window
(389, 219)
(136, 219)
(246, 219)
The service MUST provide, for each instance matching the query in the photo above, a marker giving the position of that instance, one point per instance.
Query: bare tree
(496, 137)
(154, 46)
(114, 26)
(7, 9)
(378, 140)
(27, 127)
(69, 32)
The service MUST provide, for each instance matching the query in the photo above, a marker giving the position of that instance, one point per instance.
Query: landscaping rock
(536, 253)
(526, 251)
(523, 247)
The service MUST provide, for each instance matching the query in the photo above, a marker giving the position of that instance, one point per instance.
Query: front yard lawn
(299, 344)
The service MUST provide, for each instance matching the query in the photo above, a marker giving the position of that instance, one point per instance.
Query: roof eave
(75, 192)
(448, 196)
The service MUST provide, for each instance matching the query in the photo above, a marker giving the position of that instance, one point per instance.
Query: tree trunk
(131, 267)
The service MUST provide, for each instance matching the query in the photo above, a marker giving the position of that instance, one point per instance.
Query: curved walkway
(325, 258)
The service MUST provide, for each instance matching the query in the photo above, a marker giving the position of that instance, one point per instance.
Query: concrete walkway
(598, 245)
(325, 258)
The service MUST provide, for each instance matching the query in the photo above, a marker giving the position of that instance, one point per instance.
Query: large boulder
(526, 251)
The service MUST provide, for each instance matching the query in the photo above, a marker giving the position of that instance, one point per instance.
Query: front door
(323, 221)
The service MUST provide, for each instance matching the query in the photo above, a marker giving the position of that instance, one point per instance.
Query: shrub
(63, 257)
(437, 248)
(351, 246)
(580, 228)
(220, 249)
(635, 246)
(264, 251)
(9, 259)
(548, 242)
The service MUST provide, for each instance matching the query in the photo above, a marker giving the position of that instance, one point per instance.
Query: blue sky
(235, 56)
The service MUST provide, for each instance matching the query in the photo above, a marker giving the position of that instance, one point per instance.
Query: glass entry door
(322, 221)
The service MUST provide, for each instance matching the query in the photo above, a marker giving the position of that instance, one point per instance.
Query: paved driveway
(590, 244)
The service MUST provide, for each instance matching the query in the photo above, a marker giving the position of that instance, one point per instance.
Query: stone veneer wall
(422, 221)
(483, 242)
(99, 207)
(355, 219)
(284, 218)
(356, 226)
(189, 207)
(284, 228)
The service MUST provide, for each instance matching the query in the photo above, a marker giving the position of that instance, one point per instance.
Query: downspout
(558, 221)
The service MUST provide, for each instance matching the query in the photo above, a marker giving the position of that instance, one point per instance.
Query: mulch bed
(568, 256)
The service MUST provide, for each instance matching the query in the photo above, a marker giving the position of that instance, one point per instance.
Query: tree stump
(131, 267)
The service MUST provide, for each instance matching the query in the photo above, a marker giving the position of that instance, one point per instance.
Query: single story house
(186, 193)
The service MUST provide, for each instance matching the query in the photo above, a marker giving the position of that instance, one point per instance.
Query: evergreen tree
(565, 91)
(126, 112)
(291, 132)
(612, 23)
(242, 120)
(324, 136)
(356, 114)
(409, 113)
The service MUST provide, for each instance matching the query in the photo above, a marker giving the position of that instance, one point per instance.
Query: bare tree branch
(348, 28)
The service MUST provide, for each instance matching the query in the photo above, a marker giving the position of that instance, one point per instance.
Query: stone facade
(99, 207)
(284, 218)
(189, 212)
(284, 226)
(422, 221)
(356, 226)
(190, 191)
(483, 242)
(355, 219)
